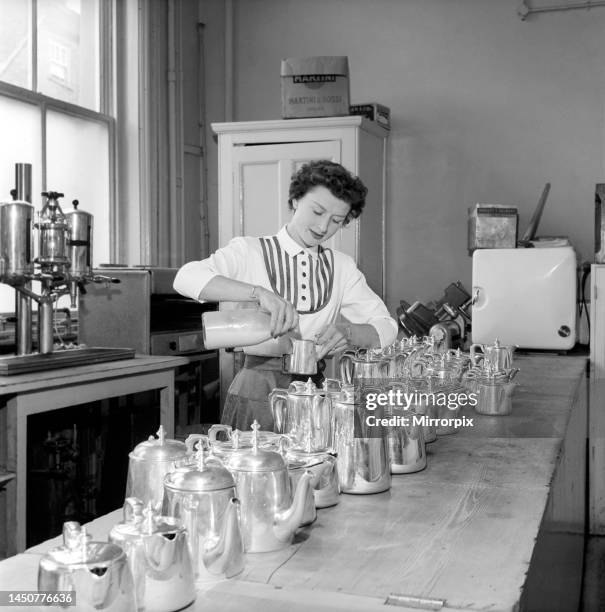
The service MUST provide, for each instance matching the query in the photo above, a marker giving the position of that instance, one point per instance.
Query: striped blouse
(284, 271)
(320, 282)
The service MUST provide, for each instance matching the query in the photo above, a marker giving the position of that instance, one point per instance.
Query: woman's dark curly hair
(340, 182)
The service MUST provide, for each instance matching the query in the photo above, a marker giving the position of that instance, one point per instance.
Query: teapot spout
(288, 521)
(225, 556)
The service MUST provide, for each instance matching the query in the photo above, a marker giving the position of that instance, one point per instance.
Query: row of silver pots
(197, 529)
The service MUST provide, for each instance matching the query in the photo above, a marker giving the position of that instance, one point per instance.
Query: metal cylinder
(23, 182)
(23, 303)
(45, 327)
(80, 242)
(16, 252)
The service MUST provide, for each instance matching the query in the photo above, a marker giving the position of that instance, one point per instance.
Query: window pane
(68, 51)
(15, 42)
(20, 129)
(78, 166)
(21, 143)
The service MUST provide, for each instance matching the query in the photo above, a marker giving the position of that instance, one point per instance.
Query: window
(57, 109)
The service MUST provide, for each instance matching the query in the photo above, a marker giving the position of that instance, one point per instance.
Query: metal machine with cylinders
(62, 264)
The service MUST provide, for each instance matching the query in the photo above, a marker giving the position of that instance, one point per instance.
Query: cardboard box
(315, 87)
(375, 112)
(492, 226)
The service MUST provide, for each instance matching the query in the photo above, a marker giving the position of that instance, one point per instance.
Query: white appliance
(525, 297)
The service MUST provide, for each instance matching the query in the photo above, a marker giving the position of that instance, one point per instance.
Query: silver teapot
(363, 462)
(270, 514)
(326, 490)
(148, 463)
(203, 496)
(158, 556)
(97, 572)
(302, 412)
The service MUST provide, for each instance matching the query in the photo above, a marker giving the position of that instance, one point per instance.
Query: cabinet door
(261, 182)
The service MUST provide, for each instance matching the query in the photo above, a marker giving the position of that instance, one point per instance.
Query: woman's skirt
(248, 396)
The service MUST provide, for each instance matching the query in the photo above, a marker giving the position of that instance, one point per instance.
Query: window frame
(107, 104)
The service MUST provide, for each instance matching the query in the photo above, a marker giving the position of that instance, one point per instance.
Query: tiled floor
(594, 576)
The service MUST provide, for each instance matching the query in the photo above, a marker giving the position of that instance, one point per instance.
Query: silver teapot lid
(256, 459)
(202, 475)
(142, 520)
(236, 439)
(159, 449)
(79, 551)
(298, 387)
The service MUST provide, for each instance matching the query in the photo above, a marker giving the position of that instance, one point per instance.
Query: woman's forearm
(363, 335)
(223, 289)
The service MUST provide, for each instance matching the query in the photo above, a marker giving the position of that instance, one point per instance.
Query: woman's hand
(283, 314)
(332, 339)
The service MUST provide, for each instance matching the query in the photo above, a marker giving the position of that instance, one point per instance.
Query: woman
(303, 285)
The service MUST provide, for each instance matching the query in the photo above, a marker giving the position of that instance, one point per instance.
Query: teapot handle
(345, 366)
(133, 510)
(213, 431)
(192, 439)
(477, 353)
(278, 402)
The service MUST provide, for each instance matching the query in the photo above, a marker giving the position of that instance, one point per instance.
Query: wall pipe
(524, 10)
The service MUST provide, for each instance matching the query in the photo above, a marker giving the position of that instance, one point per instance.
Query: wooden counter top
(459, 534)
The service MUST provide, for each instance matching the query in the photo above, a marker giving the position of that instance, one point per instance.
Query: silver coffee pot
(363, 462)
(498, 356)
(494, 393)
(202, 495)
(148, 463)
(407, 450)
(302, 412)
(270, 514)
(158, 556)
(98, 572)
(364, 364)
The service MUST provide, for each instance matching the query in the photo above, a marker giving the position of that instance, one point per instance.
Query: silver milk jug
(407, 452)
(202, 495)
(496, 356)
(158, 555)
(270, 513)
(302, 358)
(302, 412)
(363, 462)
(98, 572)
(148, 463)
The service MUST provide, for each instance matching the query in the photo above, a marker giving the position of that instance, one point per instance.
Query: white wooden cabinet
(256, 161)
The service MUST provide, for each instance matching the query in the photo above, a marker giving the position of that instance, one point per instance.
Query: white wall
(485, 108)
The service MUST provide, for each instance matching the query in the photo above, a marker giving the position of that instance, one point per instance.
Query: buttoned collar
(293, 248)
